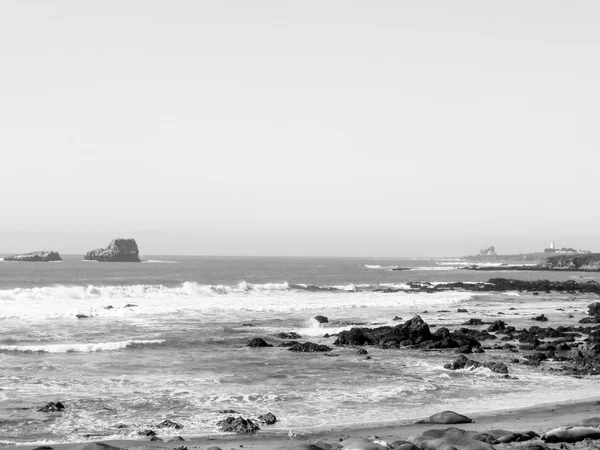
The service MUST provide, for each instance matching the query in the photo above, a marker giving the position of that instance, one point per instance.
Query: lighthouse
(552, 245)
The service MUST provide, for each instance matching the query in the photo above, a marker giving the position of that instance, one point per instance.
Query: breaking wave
(82, 348)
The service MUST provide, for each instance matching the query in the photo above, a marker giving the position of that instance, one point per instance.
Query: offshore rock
(309, 347)
(42, 256)
(119, 250)
(490, 251)
(268, 418)
(258, 342)
(585, 262)
(52, 407)
(464, 363)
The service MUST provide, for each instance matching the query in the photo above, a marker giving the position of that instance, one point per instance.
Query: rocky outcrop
(119, 250)
(258, 342)
(413, 333)
(490, 251)
(583, 262)
(309, 347)
(238, 425)
(43, 256)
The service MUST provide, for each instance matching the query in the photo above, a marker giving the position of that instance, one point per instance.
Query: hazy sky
(381, 128)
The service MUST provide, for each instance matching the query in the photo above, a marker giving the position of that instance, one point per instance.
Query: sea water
(125, 346)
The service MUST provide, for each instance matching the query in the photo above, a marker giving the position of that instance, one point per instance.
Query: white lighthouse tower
(552, 245)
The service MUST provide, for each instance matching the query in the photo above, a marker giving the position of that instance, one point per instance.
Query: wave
(82, 348)
(158, 261)
(379, 267)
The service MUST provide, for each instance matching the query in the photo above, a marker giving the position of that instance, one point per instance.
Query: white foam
(158, 261)
(83, 348)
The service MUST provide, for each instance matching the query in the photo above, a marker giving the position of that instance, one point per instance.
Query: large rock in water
(119, 250)
(490, 251)
(43, 256)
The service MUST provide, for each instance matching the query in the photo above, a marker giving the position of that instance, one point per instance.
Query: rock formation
(43, 256)
(587, 261)
(490, 251)
(119, 250)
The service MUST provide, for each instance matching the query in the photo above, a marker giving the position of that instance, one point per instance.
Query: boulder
(169, 424)
(52, 407)
(490, 251)
(465, 363)
(309, 347)
(258, 342)
(541, 318)
(288, 335)
(42, 256)
(268, 418)
(238, 425)
(321, 319)
(119, 250)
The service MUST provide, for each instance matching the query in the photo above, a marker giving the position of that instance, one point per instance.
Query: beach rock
(447, 417)
(183, 447)
(42, 256)
(268, 418)
(397, 318)
(119, 250)
(52, 407)
(288, 335)
(155, 438)
(309, 347)
(361, 351)
(594, 309)
(238, 425)
(147, 433)
(498, 325)
(473, 321)
(321, 319)
(258, 342)
(169, 424)
(82, 316)
(464, 363)
(541, 318)
(462, 310)
(571, 434)
(228, 411)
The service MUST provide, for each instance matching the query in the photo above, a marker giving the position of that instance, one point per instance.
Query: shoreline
(540, 418)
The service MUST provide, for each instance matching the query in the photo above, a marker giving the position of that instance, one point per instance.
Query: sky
(313, 127)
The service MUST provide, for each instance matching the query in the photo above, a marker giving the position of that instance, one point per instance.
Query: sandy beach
(540, 419)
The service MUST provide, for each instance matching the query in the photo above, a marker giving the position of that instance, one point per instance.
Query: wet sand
(538, 418)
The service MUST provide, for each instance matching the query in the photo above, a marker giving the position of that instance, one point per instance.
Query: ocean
(127, 345)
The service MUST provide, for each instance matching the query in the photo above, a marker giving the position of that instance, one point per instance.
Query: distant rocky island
(119, 250)
(588, 262)
(489, 254)
(41, 256)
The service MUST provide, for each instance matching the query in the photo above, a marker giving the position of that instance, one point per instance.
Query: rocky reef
(119, 250)
(586, 261)
(42, 256)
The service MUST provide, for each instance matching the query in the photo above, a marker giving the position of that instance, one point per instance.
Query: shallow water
(180, 352)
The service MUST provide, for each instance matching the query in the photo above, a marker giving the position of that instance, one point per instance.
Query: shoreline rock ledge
(119, 250)
(41, 256)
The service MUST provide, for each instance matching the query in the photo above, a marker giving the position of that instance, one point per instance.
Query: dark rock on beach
(321, 319)
(169, 424)
(541, 318)
(268, 418)
(42, 256)
(119, 250)
(52, 407)
(238, 425)
(258, 342)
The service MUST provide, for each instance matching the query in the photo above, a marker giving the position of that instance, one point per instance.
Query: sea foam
(83, 348)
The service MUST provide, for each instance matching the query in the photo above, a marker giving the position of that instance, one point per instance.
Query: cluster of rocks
(506, 284)
(119, 250)
(41, 256)
(414, 333)
(241, 425)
